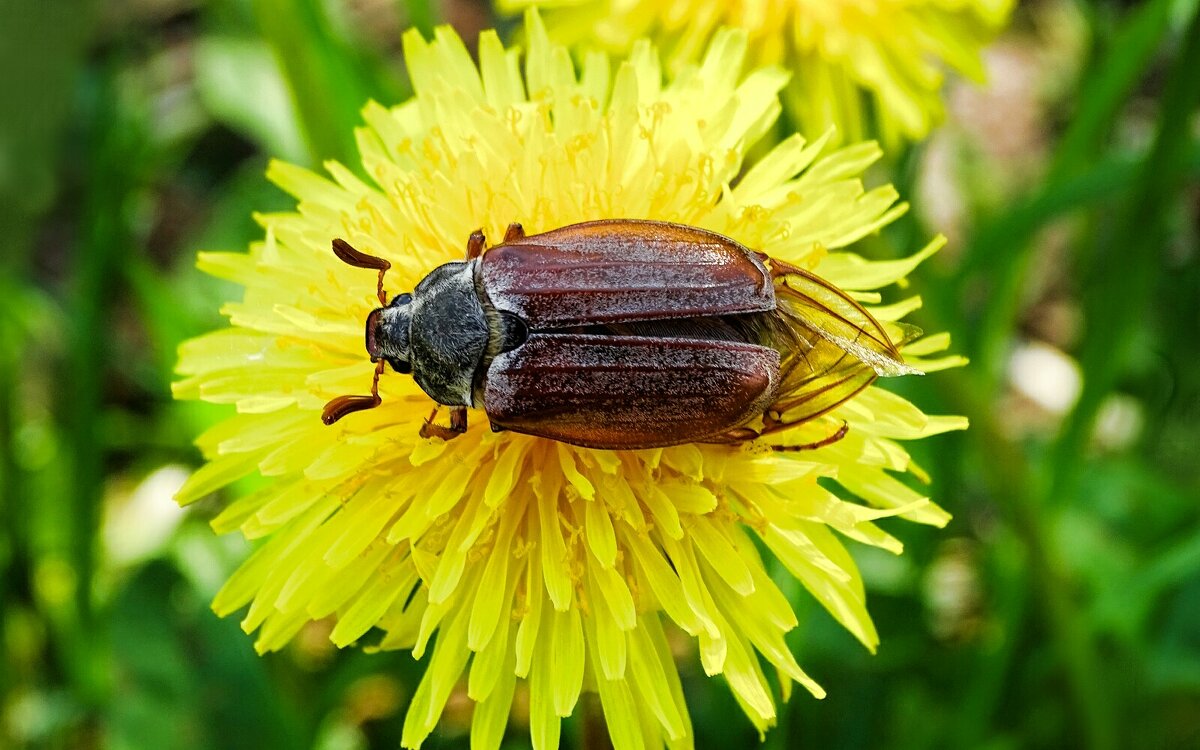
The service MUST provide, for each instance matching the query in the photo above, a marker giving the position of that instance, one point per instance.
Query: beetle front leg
(458, 424)
(475, 244)
(514, 232)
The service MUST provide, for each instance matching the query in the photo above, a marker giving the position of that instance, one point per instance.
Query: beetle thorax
(448, 335)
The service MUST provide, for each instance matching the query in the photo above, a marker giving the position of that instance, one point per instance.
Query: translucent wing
(832, 347)
(834, 316)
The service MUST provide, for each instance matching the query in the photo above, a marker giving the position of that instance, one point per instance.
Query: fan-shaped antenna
(343, 405)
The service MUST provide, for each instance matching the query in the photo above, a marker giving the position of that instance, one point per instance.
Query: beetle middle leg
(458, 424)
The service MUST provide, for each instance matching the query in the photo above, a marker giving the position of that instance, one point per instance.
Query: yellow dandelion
(532, 559)
(854, 62)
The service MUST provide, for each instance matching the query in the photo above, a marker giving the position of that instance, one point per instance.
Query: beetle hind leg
(458, 424)
(779, 269)
(747, 434)
(733, 437)
(827, 440)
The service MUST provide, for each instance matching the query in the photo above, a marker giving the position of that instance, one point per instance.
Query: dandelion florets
(866, 67)
(531, 559)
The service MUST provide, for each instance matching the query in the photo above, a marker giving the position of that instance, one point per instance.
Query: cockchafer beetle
(623, 334)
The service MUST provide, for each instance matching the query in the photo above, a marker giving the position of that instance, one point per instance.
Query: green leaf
(329, 85)
(240, 83)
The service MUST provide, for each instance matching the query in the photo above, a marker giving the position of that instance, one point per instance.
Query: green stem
(1007, 471)
(113, 148)
(42, 53)
(11, 520)
(1103, 94)
(1010, 235)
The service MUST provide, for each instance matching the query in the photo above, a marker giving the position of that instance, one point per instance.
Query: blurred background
(1060, 608)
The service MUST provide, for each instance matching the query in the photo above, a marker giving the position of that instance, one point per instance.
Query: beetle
(623, 334)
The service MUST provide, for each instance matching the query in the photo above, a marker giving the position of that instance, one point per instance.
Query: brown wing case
(628, 392)
(623, 270)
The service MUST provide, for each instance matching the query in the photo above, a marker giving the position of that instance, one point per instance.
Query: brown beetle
(623, 334)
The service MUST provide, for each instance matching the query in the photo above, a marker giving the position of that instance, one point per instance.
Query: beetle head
(444, 329)
(387, 333)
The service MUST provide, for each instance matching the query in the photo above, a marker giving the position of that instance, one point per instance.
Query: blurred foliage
(1061, 608)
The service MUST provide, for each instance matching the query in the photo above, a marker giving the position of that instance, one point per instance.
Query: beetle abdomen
(623, 270)
(629, 392)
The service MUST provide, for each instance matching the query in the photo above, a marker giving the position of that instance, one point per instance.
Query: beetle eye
(402, 299)
(401, 366)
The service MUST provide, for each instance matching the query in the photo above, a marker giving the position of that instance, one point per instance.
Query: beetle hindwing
(832, 348)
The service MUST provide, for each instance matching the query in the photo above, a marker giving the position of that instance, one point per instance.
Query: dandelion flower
(854, 62)
(530, 559)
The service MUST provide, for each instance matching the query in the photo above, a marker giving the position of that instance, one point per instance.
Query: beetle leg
(746, 434)
(428, 428)
(475, 244)
(458, 424)
(828, 440)
(458, 419)
(779, 268)
(514, 232)
(730, 437)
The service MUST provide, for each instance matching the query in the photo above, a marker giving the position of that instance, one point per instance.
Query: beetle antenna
(343, 405)
(346, 252)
